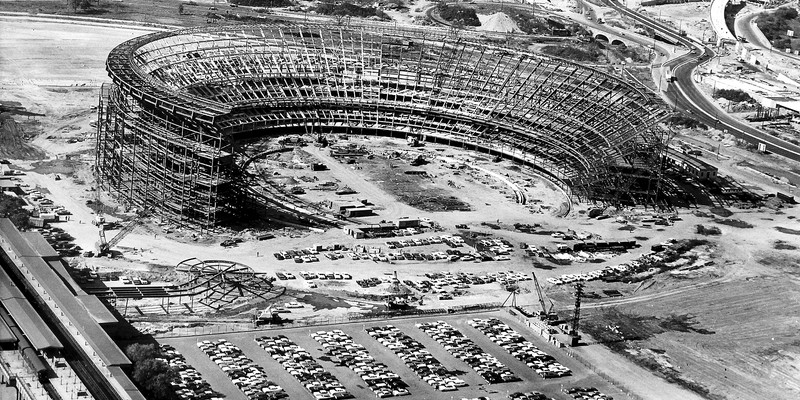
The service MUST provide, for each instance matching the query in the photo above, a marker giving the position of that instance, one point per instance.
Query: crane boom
(104, 246)
(539, 292)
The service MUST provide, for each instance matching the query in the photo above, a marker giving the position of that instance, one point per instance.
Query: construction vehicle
(546, 314)
(103, 246)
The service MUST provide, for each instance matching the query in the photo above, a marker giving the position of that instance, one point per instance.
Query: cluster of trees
(349, 9)
(11, 208)
(775, 26)
(83, 5)
(458, 14)
(150, 373)
(588, 53)
(531, 26)
(734, 95)
(263, 3)
(686, 122)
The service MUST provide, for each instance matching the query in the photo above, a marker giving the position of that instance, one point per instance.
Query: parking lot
(471, 384)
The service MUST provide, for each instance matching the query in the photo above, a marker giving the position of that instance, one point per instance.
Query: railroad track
(91, 378)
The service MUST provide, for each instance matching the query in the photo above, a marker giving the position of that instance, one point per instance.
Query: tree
(83, 5)
(180, 9)
(145, 371)
(12, 208)
(139, 352)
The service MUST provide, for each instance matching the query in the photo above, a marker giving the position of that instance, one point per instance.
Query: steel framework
(181, 103)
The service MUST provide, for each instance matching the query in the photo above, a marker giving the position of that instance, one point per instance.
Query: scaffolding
(181, 103)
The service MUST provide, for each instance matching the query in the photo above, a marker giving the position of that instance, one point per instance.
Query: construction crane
(547, 313)
(576, 317)
(103, 246)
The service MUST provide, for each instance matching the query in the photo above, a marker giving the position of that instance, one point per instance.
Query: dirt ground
(748, 297)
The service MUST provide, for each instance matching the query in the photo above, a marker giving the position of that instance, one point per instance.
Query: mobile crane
(103, 246)
(547, 314)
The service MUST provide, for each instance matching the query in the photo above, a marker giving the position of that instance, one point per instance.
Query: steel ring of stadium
(180, 102)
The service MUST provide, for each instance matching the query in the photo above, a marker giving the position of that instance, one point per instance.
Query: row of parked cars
(528, 396)
(342, 350)
(514, 343)
(188, 384)
(452, 241)
(248, 376)
(416, 357)
(486, 365)
(299, 363)
(610, 271)
(61, 241)
(496, 246)
(324, 275)
(586, 393)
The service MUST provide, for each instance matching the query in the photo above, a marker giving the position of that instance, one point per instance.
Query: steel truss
(180, 103)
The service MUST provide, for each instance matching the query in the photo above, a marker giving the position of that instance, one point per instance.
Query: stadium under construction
(172, 125)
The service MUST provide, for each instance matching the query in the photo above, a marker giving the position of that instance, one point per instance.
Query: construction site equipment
(102, 246)
(547, 313)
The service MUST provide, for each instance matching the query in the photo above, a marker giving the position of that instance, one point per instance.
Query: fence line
(352, 318)
(542, 330)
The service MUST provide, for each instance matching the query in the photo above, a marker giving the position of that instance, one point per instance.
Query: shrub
(349, 9)
(458, 14)
(734, 95)
(708, 230)
(263, 3)
(736, 223)
(11, 208)
(687, 122)
(573, 53)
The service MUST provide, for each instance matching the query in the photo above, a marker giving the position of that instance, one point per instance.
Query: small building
(358, 212)
(355, 232)
(407, 223)
(342, 207)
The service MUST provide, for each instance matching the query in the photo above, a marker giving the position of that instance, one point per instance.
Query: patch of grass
(574, 53)
(708, 230)
(641, 238)
(736, 223)
(617, 330)
(686, 122)
(735, 95)
(349, 9)
(458, 15)
(683, 323)
(263, 3)
(781, 245)
(787, 230)
(721, 211)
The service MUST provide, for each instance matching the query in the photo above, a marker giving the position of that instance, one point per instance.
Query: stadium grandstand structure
(182, 105)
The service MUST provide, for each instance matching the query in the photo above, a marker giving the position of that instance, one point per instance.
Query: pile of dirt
(16, 134)
(498, 22)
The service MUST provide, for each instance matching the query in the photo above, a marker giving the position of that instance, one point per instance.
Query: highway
(689, 100)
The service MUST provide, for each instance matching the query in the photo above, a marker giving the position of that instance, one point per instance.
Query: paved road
(690, 100)
(746, 27)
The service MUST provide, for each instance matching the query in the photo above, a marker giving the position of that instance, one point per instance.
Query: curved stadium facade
(181, 103)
